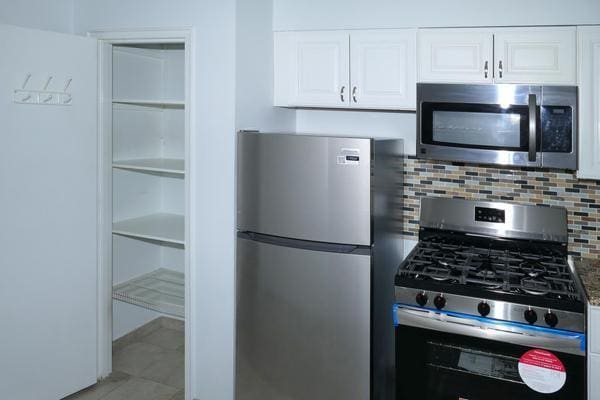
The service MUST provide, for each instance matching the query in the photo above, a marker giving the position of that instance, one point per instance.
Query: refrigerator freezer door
(305, 187)
(48, 211)
(303, 324)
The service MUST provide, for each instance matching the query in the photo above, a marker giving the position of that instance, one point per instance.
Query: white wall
(375, 14)
(254, 83)
(361, 124)
(360, 14)
(53, 15)
(213, 171)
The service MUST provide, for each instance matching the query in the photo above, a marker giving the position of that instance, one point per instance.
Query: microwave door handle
(532, 128)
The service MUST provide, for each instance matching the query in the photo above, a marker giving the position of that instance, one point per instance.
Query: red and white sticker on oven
(542, 371)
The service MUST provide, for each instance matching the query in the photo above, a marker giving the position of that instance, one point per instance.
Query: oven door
(496, 124)
(446, 356)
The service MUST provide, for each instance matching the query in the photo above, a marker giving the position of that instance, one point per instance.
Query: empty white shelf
(166, 165)
(161, 290)
(162, 227)
(152, 103)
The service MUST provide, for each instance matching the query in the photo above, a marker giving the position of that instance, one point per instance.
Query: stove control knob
(484, 309)
(422, 299)
(551, 319)
(530, 316)
(439, 302)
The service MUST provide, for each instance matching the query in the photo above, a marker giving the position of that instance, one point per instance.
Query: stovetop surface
(516, 271)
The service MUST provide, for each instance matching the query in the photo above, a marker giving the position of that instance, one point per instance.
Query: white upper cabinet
(383, 69)
(536, 55)
(312, 69)
(362, 69)
(455, 55)
(498, 55)
(589, 103)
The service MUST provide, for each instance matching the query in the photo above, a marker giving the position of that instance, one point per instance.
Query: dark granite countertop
(588, 270)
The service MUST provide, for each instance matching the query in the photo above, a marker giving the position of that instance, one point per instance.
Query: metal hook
(67, 84)
(27, 78)
(48, 82)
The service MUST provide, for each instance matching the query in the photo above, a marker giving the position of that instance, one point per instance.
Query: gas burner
(439, 272)
(536, 286)
(444, 257)
(533, 268)
(484, 273)
(485, 269)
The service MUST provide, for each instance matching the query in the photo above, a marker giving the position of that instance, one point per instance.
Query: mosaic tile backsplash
(424, 178)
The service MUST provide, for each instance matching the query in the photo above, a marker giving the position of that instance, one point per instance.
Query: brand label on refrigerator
(542, 371)
(349, 157)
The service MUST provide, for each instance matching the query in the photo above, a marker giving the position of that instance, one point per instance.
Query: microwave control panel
(557, 129)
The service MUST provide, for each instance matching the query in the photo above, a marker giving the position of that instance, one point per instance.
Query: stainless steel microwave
(523, 125)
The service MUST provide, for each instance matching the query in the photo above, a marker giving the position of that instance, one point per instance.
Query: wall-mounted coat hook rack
(27, 78)
(44, 96)
(47, 83)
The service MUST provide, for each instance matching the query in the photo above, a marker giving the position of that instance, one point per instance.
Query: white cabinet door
(593, 374)
(48, 180)
(383, 69)
(536, 55)
(589, 103)
(594, 324)
(593, 333)
(312, 69)
(455, 55)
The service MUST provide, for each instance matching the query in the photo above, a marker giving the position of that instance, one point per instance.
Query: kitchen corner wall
(254, 70)
(424, 178)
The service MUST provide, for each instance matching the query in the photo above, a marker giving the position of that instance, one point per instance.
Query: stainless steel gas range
(488, 306)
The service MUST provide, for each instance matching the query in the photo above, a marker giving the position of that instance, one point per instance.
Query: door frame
(108, 38)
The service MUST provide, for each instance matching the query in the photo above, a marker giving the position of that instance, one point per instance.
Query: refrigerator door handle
(305, 244)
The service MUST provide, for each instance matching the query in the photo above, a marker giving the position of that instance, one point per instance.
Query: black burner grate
(540, 272)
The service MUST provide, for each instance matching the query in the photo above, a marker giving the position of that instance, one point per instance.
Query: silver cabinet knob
(354, 89)
(500, 69)
(486, 69)
(342, 93)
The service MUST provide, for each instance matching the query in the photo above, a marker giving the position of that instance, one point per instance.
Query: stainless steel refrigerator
(318, 244)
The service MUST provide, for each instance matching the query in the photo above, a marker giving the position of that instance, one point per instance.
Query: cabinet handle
(500, 69)
(342, 93)
(486, 69)
(354, 94)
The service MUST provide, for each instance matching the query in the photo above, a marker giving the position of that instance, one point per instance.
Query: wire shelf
(162, 290)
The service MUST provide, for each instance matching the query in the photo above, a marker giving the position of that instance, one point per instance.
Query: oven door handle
(532, 128)
(466, 325)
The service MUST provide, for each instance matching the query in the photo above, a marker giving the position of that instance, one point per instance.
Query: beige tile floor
(148, 365)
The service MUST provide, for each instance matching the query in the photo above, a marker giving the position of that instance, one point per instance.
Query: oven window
(480, 126)
(436, 365)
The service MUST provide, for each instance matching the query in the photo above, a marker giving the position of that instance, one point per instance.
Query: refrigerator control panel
(349, 157)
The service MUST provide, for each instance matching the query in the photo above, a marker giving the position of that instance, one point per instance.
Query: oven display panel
(493, 215)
